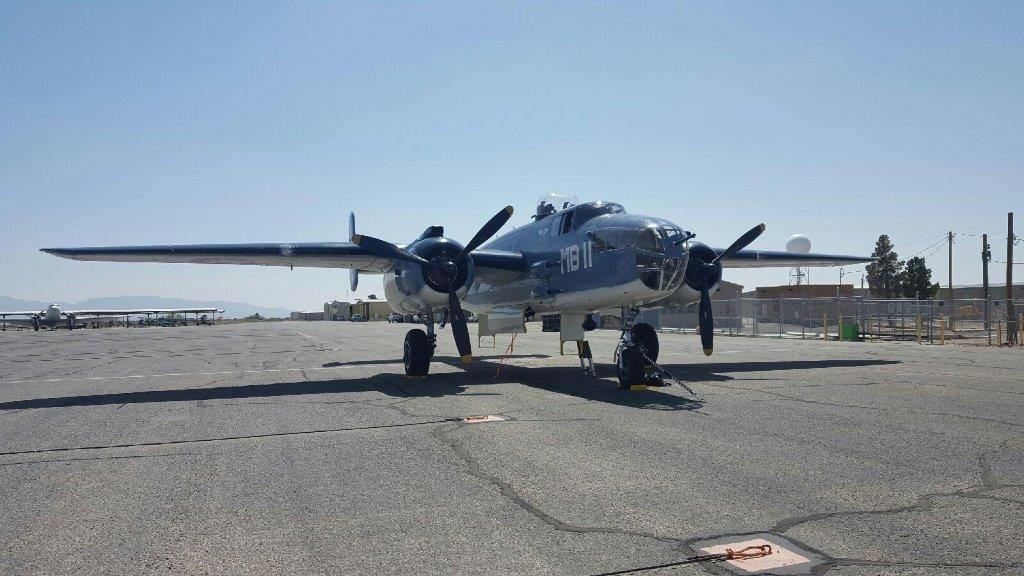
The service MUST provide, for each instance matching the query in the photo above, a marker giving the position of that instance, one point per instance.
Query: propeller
(443, 272)
(705, 272)
(386, 249)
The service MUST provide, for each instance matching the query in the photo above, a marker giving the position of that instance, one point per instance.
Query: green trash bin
(849, 332)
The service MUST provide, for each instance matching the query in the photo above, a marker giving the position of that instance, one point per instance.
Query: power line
(903, 244)
(936, 243)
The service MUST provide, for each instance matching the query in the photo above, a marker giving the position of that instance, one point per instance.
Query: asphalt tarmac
(301, 448)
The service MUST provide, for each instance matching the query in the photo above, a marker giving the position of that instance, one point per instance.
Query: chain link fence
(969, 321)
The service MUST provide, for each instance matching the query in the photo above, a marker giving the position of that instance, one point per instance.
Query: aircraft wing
(16, 321)
(32, 313)
(308, 254)
(779, 259)
(303, 254)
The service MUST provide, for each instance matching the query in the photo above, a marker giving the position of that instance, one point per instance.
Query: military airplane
(572, 260)
(53, 317)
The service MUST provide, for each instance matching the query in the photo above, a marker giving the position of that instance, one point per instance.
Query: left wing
(773, 259)
(491, 264)
(35, 313)
(305, 254)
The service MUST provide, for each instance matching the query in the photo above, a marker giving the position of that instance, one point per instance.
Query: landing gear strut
(637, 353)
(419, 348)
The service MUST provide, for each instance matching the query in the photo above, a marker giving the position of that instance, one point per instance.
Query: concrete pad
(786, 558)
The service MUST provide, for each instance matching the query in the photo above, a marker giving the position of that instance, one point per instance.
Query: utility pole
(1011, 314)
(986, 255)
(949, 287)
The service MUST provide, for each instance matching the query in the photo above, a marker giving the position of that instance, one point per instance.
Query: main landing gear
(419, 349)
(637, 353)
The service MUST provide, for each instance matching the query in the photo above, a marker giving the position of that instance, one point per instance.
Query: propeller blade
(707, 323)
(742, 242)
(459, 328)
(489, 229)
(384, 249)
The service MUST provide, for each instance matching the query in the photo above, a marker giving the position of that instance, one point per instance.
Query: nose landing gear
(637, 353)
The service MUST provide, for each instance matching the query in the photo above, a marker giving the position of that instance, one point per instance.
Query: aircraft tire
(417, 353)
(630, 367)
(646, 336)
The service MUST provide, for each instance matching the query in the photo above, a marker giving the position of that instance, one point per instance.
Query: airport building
(336, 310)
(370, 309)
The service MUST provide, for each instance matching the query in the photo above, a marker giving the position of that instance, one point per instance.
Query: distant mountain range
(231, 309)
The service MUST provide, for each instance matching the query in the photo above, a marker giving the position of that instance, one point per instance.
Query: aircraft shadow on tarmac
(559, 379)
(719, 371)
(445, 359)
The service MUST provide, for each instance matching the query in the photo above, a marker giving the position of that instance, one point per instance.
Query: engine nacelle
(414, 289)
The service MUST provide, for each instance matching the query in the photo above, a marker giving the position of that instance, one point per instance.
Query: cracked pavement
(283, 448)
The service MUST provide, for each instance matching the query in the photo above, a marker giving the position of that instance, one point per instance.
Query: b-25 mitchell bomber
(53, 317)
(572, 259)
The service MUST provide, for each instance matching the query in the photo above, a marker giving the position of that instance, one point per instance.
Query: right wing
(303, 254)
(776, 259)
(35, 313)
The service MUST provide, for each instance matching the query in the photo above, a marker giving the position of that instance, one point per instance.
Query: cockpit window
(586, 212)
(605, 239)
(566, 224)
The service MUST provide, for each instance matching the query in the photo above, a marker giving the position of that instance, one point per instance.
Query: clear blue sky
(143, 123)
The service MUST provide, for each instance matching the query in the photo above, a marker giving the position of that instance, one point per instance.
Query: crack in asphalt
(878, 408)
(473, 468)
(227, 438)
(923, 503)
(100, 458)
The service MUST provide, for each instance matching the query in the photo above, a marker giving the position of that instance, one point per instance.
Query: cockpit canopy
(586, 212)
(551, 203)
(576, 217)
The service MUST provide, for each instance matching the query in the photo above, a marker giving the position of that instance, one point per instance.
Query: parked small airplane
(53, 317)
(572, 260)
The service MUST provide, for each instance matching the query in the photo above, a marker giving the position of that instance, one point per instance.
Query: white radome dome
(798, 243)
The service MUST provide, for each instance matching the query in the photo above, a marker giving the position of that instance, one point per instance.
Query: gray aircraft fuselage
(583, 258)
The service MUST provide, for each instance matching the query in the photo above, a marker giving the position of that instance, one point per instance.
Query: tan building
(337, 310)
(371, 309)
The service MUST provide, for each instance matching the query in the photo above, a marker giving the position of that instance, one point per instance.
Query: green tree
(885, 274)
(917, 280)
(254, 318)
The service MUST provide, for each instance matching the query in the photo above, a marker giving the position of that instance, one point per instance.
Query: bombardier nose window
(651, 240)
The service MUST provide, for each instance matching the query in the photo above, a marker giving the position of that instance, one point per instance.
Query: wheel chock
(638, 387)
